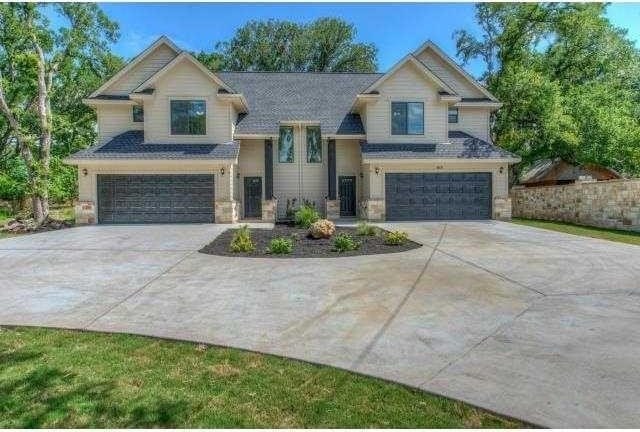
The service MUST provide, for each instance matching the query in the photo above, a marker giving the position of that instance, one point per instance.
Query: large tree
(45, 70)
(324, 45)
(569, 80)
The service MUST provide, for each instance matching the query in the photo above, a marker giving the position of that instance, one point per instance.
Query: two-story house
(178, 143)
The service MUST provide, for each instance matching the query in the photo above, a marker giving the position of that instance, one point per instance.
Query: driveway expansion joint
(369, 347)
(137, 291)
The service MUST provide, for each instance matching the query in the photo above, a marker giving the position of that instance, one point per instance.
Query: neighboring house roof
(460, 146)
(552, 171)
(130, 145)
(275, 98)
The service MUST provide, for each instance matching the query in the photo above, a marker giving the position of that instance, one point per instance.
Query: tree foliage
(324, 45)
(569, 80)
(45, 71)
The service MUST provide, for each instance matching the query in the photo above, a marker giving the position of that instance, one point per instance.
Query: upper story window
(138, 114)
(188, 117)
(407, 118)
(285, 144)
(453, 115)
(314, 145)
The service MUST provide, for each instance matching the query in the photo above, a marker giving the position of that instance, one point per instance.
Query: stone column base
(85, 212)
(269, 210)
(226, 211)
(502, 208)
(332, 209)
(372, 209)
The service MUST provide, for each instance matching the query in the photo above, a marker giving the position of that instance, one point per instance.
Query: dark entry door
(438, 196)
(147, 198)
(347, 190)
(252, 197)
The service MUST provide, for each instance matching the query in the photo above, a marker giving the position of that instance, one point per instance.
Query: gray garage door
(155, 198)
(438, 196)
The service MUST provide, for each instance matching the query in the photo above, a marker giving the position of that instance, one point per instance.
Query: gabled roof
(279, 97)
(131, 145)
(557, 170)
(163, 40)
(432, 46)
(460, 146)
(410, 58)
(183, 56)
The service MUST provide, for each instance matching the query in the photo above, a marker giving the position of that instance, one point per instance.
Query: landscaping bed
(304, 246)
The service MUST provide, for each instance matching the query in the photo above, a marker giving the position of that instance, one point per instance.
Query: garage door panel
(155, 198)
(433, 196)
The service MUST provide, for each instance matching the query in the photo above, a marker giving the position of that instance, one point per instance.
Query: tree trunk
(41, 193)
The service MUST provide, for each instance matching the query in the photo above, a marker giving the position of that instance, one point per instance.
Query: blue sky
(395, 28)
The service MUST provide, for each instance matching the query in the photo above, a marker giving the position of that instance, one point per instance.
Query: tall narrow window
(188, 117)
(407, 118)
(314, 145)
(285, 144)
(453, 115)
(138, 114)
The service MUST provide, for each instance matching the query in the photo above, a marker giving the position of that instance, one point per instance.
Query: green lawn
(61, 379)
(629, 237)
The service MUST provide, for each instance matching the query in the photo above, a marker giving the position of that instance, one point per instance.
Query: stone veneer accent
(502, 208)
(332, 209)
(372, 209)
(226, 211)
(269, 210)
(606, 204)
(85, 212)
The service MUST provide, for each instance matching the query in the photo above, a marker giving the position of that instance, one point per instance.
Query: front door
(347, 191)
(252, 197)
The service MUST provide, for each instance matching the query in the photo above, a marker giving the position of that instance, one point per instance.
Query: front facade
(178, 143)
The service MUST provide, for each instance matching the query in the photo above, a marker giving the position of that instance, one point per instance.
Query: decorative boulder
(322, 229)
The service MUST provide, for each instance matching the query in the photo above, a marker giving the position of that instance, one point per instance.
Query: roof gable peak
(162, 40)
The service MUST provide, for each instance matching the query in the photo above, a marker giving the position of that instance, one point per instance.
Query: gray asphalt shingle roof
(460, 145)
(277, 96)
(130, 145)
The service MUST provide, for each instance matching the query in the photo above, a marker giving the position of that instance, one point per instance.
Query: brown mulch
(23, 226)
(304, 246)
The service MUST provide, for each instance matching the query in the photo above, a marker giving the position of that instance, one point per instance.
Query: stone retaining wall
(606, 204)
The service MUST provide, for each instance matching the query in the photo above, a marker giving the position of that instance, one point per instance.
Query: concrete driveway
(529, 323)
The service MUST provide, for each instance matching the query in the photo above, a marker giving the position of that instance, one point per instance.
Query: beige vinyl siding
(299, 180)
(185, 81)
(499, 186)
(474, 121)
(348, 162)
(250, 164)
(162, 55)
(114, 120)
(408, 84)
(449, 75)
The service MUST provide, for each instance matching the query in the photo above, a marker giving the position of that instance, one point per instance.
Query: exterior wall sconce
(84, 172)
(222, 171)
(361, 174)
(439, 167)
(377, 170)
(501, 170)
(238, 174)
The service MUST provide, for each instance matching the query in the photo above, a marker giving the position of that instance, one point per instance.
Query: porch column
(332, 204)
(269, 203)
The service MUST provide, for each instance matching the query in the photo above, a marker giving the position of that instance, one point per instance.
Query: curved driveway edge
(533, 324)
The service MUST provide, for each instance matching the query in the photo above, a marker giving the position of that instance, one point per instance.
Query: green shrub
(364, 229)
(396, 238)
(280, 245)
(344, 243)
(305, 216)
(241, 241)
